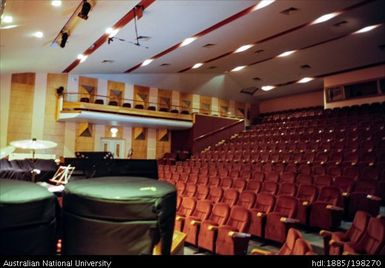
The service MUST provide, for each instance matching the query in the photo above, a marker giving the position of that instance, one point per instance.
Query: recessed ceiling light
(238, 68)
(366, 29)
(8, 27)
(56, 3)
(82, 57)
(262, 4)
(38, 34)
(286, 53)
(197, 65)
(6, 19)
(326, 17)
(147, 62)
(267, 88)
(111, 32)
(188, 41)
(243, 48)
(305, 80)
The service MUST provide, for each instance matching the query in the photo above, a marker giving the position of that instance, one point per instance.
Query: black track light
(85, 10)
(64, 38)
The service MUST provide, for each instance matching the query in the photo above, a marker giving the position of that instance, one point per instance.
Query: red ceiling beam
(120, 24)
(202, 33)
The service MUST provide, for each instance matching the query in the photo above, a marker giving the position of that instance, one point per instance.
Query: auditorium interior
(188, 127)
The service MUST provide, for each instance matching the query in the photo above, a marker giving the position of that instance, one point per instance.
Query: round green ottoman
(118, 216)
(27, 219)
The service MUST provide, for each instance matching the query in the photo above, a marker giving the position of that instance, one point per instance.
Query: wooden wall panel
(84, 137)
(88, 83)
(53, 130)
(21, 107)
(141, 95)
(139, 143)
(116, 91)
(185, 102)
(223, 107)
(163, 142)
(205, 105)
(164, 99)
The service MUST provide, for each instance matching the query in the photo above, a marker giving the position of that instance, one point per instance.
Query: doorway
(115, 146)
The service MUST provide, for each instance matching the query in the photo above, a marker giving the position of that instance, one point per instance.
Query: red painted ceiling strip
(202, 33)
(121, 23)
(279, 35)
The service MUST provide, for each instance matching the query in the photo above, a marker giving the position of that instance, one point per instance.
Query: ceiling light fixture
(262, 4)
(243, 48)
(6, 19)
(305, 80)
(38, 34)
(325, 17)
(286, 53)
(267, 88)
(147, 62)
(197, 65)
(187, 41)
(86, 7)
(114, 131)
(82, 57)
(238, 68)
(366, 29)
(56, 3)
(8, 27)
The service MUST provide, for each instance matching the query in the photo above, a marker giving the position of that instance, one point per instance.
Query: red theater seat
(187, 206)
(363, 197)
(202, 192)
(334, 241)
(280, 220)
(288, 189)
(232, 238)
(269, 187)
(215, 194)
(247, 199)
(263, 205)
(191, 228)
(326, 212)
(230, 197)
(208, 231)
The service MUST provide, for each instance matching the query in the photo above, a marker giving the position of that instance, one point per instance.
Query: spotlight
(64, 38)
(85, 10)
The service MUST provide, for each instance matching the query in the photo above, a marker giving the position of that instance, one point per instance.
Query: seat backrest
(286, 206)
(187, 206)
(215, 194)
(272, 176)
(254, 186)
(202, 192)
(330, 195)
(287, 189)
(288, 177)
(344, 183)
(365, 186)
(246, 199)
(301, 247)
(190, 190)
(239, 218)
(269, 187)
(220, 213)
(264, 202)
(239, 185)
(230, 197)
(303, 179)
(288, 246)
(359, 225)
(373, 239)
(323, 180)
(202, 209)
(307, 193)
(258, 176)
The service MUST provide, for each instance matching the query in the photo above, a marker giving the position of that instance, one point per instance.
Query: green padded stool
(27, 219)
(117, 216)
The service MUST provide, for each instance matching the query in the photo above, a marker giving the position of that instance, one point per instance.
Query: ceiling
(327, 48)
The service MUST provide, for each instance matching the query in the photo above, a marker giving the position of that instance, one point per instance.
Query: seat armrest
(373, 197)
(335, 208)
(179, 218)
(261, 252)
(195, 222)
(325, 234)
(261, 214)
(238, 235)
(288, 220)
(212, 228)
